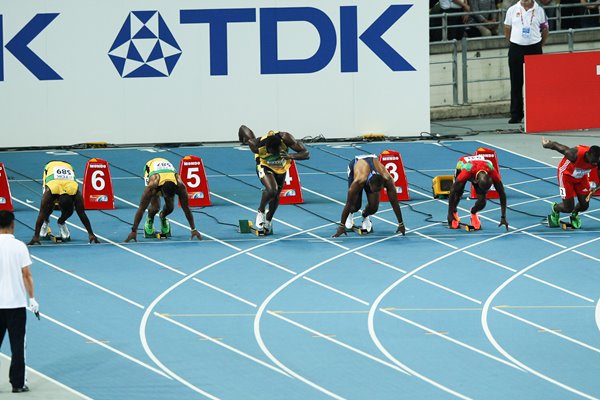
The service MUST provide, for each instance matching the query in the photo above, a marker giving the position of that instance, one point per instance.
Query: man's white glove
(34, 306)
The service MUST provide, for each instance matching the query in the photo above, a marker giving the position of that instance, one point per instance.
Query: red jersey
(579, 169)
(469, 166)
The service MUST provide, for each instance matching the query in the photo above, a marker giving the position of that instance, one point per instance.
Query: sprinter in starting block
(367, 173)
(573, 180)
(482, 175)
(162, 180)
(60, 188)
(273, 160)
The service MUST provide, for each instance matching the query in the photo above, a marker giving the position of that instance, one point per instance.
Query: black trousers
(516, 59)
(13, 320)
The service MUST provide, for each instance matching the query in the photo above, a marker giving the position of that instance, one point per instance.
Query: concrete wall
(487, 62)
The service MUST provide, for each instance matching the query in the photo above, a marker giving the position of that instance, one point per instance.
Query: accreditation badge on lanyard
(526, 30)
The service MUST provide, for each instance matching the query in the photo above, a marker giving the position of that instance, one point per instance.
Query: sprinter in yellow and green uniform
(272, 162)
(162, 180)
(60, 187)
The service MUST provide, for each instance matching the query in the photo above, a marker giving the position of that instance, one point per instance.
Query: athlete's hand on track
(341, 229)
(401, 228)
(503, 222)
(195, 234)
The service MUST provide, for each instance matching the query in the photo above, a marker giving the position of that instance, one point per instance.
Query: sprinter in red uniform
(482, 174)
(573, 180)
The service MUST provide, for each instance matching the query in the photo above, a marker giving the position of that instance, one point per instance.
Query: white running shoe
(349, 221)
(260, 221)
(45, 229)
(64, 231)
(268, 225)
(367, 225)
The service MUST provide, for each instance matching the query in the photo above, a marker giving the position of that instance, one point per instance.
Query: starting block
(359, 230)
(157, 235)
(246, 226)
(441, 186)
(466, 227)
(58, 239)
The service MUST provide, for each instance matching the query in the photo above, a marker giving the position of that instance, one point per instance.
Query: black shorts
(261, 171)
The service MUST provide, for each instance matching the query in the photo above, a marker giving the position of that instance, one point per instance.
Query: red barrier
(5, 200)
(191, 171)
(562, 91)
(292, 190)
(489, 155)
(97, 186)
(392, 161)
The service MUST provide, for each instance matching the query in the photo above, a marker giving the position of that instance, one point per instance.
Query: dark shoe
(20, 389)
(514, 120)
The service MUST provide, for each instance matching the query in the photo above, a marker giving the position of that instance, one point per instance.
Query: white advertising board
(132, 71)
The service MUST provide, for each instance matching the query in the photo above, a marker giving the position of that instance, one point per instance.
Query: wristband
(401, 223)
(133, 229)
(503, 216)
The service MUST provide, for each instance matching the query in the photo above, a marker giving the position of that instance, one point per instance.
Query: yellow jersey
(274, 162)
(59, 177)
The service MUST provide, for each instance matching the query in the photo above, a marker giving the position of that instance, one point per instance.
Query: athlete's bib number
(579, 173)
(64, 174)
(158, 165)
(98, 182)
(193, 178)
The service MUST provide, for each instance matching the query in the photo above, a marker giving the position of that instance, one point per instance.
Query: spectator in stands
(487, 18)
(590, 15)
(549, 7)
(526, 28)
(571, 14)
(457, 30)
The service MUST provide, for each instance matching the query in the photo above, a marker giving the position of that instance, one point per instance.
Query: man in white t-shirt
(16, 284)
(526, 28)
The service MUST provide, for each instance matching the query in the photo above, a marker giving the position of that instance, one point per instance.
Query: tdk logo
(145, 47)
(219, 20)
(18, 47)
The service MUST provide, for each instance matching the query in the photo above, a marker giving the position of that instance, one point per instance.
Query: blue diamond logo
(144, 47)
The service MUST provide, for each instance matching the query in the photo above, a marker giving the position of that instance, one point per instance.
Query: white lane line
(264, 304)
(337, 291)
(225, 292)
(377, 302)
(450, 339)
(447, 289)
(161, 296)
(548, 330)
(491, 338)
(109, 241)
(102, 288)
(339, 343)
(106, 346)
(221, 344)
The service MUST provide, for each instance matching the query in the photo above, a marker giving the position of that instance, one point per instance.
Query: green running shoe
(165, 226)
(575, 221)
(553, 218)
(149, 227)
